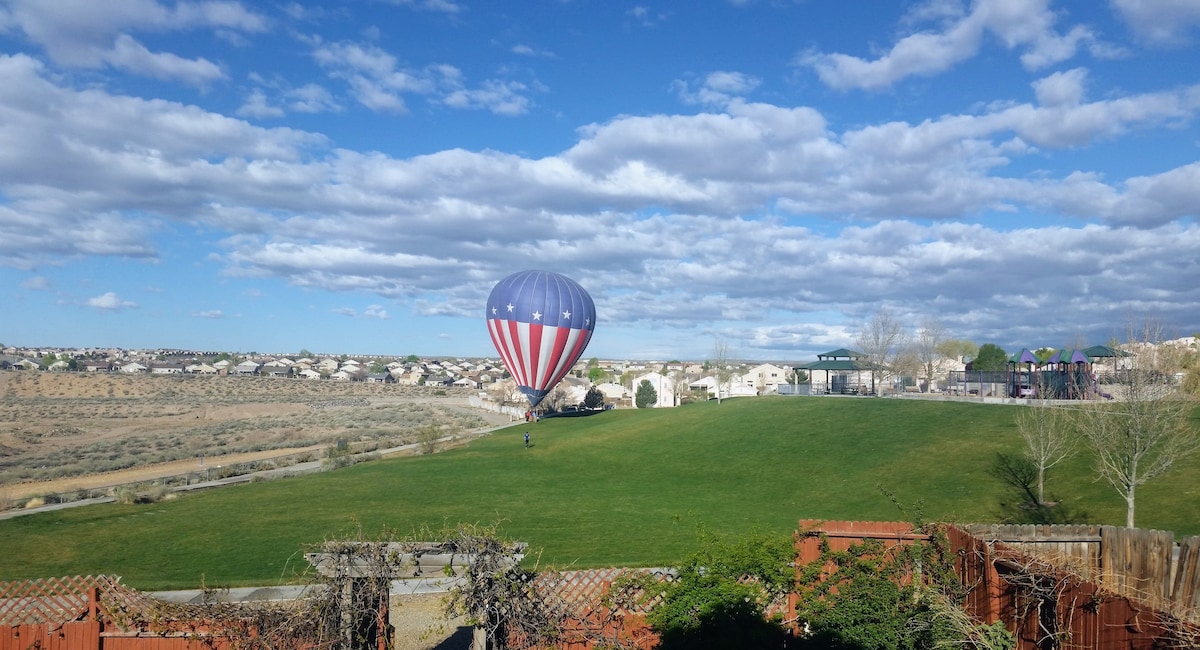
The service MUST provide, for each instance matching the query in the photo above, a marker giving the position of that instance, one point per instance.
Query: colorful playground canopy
(1024, 356)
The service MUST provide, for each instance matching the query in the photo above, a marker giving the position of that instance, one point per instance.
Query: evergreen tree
(646, 396)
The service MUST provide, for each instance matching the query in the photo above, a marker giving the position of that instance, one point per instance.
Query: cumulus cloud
(110, 302)
(376, 312)
(717, 88)
(256, 105)
(743, 210)
(499, 97)
(377, 81)
(1166, 22)
(211, 313)
(84, 34)
(1028, 25)
(131, 56)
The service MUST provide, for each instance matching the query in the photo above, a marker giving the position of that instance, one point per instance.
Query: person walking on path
(527, 440)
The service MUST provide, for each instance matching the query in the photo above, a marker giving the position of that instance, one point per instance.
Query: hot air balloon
(540, 323)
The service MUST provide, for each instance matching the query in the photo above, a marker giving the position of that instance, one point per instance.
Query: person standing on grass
(527, 440)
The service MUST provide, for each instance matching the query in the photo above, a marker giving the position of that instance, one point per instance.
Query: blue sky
(355, 176)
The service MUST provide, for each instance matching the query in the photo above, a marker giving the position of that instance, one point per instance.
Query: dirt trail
(145, 473)
(161, 426)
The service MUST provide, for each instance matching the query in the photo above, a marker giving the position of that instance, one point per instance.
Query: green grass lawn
(619, 488)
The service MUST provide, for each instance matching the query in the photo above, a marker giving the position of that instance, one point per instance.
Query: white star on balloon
(510, 306)
(567, 314)
(537, 315)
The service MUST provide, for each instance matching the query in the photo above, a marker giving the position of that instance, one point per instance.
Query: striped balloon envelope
(540, 323)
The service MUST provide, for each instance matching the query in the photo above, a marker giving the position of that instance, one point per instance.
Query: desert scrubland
(60, 429)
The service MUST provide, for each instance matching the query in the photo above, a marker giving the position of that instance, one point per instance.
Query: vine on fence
(874, 596)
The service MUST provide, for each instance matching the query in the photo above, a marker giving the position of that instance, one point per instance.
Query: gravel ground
(421, 624)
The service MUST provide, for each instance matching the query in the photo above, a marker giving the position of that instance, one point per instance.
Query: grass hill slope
(622, 487)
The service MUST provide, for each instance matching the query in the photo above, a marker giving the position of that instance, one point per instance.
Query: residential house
(466, 382)
(200, 369)
(247, 367)
(612, 392)
(663, 387)
(736, 386)
(132, 367)
(766, 378)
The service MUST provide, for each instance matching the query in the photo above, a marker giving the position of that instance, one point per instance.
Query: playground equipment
(1064, 375)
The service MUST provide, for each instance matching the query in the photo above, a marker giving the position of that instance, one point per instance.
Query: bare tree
(1049, 440)
(507, 393)
(1147, 431)
(557, 399)
(679, 384)
(927, 346)
(882, 341)
(721, 358)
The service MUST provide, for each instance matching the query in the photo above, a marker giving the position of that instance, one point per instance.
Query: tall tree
(991, 358)
(1147, 431)
(927, 346)
(958, 349)
(596, 374)
(882, 340)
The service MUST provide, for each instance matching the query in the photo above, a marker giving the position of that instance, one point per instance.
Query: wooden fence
(1052, 587)
(1035, 584)
(99, 613)
(1146, 565)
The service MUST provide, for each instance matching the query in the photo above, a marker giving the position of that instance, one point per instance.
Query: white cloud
(376, 312)
(1024, 24)
(211, 313)
(131, 56)
(718, 88)
(379, 83)
(36, 283)
(256, 105)
(1168, 22)
(443, 6)
(372, 312)
(110, 302)
(720, 217)
(499, 97)
(80, 33)
(1061, 88)
(311, 98)
(528, 50)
